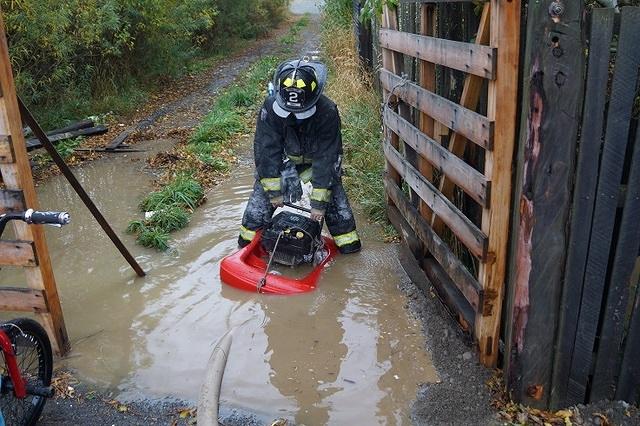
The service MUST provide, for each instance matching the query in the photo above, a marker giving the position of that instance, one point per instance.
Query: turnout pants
(338, 217)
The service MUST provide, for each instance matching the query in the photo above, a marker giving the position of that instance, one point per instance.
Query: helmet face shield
(299, 84)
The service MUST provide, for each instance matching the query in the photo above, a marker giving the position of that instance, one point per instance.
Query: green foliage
(73, 58)
(154, 238)
(66, 147)
(169, 219)
(184, 191)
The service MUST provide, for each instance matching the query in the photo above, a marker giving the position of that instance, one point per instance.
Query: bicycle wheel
(35, 362)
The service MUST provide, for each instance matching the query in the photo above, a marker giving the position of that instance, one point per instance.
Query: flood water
(348, 353)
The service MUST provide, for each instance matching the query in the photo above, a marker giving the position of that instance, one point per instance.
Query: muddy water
(346, 354)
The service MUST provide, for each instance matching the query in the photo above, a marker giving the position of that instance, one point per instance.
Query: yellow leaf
(564, 413)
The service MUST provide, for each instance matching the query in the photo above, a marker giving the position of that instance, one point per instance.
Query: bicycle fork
(17, 383)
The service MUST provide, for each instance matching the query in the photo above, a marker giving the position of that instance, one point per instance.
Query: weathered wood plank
(447, 292)
(21, 299)
(17, 253)
(11, 201)
(502, 107)
(460, 276)
(459, 224)
(611, 167)
(583, 198)
(18, 176)
(628, 388)
(468, 57)
(6, 150)
(613, 322)
(465, 176)
(469, 99)
(473, 126)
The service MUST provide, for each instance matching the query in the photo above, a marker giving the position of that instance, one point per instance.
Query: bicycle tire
(35, 362)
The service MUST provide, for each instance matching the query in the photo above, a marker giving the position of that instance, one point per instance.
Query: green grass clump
(184, 192)
(169, 219)
(154, 238)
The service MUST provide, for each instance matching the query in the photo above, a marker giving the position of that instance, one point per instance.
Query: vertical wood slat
(469, 99)
(628, 388)
(428, 82)
(583, 198)
(503, 93)
(17, 176)
(551, 109)
(6, 150)
(11, 201)
(613, 152)
(607, 366)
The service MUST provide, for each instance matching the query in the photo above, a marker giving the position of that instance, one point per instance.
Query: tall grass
(351, 88)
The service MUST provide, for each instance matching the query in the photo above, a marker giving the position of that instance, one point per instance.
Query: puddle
(300, 7)
(346, 354)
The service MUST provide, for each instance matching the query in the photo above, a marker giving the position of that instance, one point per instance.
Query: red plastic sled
(245, 268)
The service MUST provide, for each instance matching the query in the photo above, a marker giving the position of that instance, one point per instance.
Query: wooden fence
(448, 204)
(573, 317)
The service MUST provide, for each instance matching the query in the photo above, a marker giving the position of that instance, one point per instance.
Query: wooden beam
(503, 95)
(427, 82)
(628, 387)
(440, 251)
(467, 57)
(460, 225)
(623, 90)
(586, 179)
(17, 253)
(11, 201)
(475, 127)
(469, 99)
(17, 176)
(6, 150)
(20, 299)
(465, 176)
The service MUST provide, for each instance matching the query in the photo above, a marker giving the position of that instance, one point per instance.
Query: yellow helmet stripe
(313, 86)
(300, 84)
(288, 82)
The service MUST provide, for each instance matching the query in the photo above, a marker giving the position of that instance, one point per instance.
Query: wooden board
(22, 300)
(17, 253)
(611, 167)
(465, 176)
(11, 201)
(459, 224)
(475, 127)
(468, 57)
(628, 388)
(583, 198)
(425, 275)
(613, 322)
(502, 107)
(469, 99)
(460, 276)
(6, 150)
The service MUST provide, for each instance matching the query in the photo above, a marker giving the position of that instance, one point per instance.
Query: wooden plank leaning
(461, 226)
(440, 251)
(17, 176)
(616, 139)
(17, 253)
(469, 99)
(502, 107)
(474, 126)
(6, 150)
(586, 179)
(472, 58)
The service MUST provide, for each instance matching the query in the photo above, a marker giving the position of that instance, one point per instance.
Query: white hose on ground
(209, 403)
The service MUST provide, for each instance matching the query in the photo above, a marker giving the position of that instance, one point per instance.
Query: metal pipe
(29, 120)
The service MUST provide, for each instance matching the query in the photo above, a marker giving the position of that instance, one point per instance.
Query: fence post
(552, 87)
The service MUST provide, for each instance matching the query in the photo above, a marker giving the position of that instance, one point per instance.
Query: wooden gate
(453, 210)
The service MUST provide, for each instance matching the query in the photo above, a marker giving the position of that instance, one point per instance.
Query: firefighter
(298, 138)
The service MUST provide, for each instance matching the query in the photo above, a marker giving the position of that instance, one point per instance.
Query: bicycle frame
(17, 381)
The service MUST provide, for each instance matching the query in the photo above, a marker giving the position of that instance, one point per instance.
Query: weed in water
(184, 191)
(135, 227)
(154, 238)
(169, 219)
